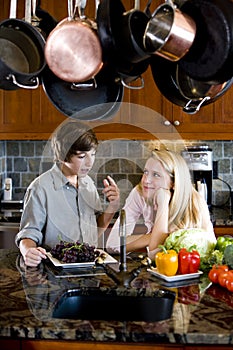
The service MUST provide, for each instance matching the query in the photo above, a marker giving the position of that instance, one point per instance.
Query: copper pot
(169, 33)
(73, 50)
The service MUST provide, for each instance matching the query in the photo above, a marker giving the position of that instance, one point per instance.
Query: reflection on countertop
(202, 312)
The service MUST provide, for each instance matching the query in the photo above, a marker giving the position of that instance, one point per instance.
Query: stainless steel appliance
(200, 162)
(10, 216)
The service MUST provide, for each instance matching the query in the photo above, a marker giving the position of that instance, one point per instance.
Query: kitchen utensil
(73, 50)
(165, 76)
(130, 36)
(21, 51)
(169, 33)
(100, 102)
(210, 57)
(109, 20)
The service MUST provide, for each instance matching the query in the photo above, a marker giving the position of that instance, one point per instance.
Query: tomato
(215, 272)
(221, 267)
(229, 281)
(222, 278)
(225, 277)
(213, 275)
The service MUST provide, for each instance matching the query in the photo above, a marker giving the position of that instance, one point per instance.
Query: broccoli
(228, 256)
(216, 258)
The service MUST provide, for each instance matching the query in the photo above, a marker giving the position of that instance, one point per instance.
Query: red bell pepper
(188, 261)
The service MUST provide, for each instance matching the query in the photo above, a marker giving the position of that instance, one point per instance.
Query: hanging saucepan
(74, 101)
(109, 23)
(130, 36)
(169, 33)
(211, 55)
(73, 50)
(21, 51)
(181, 89)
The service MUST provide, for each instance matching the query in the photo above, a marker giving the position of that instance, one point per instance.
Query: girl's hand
(112, 192)
(162, 197)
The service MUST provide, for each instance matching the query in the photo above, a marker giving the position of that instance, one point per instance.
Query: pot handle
(14, 81)
(192, 109)
(79, 7)
(87, 85)
(132, 87)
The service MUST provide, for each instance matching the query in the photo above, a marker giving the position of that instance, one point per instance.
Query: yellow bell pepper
(167, 261)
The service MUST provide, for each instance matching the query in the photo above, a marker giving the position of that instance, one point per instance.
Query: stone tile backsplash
(122, 159)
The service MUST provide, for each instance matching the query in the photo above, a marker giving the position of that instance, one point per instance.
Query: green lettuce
(204, 242)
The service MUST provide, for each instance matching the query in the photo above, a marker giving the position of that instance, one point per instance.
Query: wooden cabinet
(223, 230)
(73, 345)
(213, 122)
(145, 113)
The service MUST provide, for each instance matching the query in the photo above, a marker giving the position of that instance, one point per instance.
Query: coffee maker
(199, 160)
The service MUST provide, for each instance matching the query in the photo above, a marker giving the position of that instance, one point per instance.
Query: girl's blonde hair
(185, 203)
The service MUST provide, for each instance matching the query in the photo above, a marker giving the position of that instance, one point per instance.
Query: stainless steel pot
(169, 33)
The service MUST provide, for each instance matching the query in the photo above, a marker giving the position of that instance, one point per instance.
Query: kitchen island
(202, 313)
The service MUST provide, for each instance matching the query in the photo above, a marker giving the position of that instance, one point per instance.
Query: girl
(166, 200)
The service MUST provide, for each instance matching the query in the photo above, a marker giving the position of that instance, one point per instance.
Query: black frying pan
(85, 104)
(109, 20)
(210, 58)
(178, 88)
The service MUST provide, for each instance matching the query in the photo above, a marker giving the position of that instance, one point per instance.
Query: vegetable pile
(223, 252)
(222, 272)
(169, 262)
(222, 275)
(203, 242)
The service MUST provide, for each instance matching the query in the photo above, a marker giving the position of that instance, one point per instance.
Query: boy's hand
(112, 192)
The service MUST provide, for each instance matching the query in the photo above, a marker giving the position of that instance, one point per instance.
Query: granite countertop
(202, 312)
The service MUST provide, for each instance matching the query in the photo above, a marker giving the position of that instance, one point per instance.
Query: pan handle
(192, 109)
(133, 87)
(13, 7)
(87, 85)
(28, 11)
(34, 80)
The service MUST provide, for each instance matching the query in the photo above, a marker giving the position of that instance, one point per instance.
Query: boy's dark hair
(72, 136)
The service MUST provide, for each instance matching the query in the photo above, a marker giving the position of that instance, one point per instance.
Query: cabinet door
(74, 345)
(214, 121)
